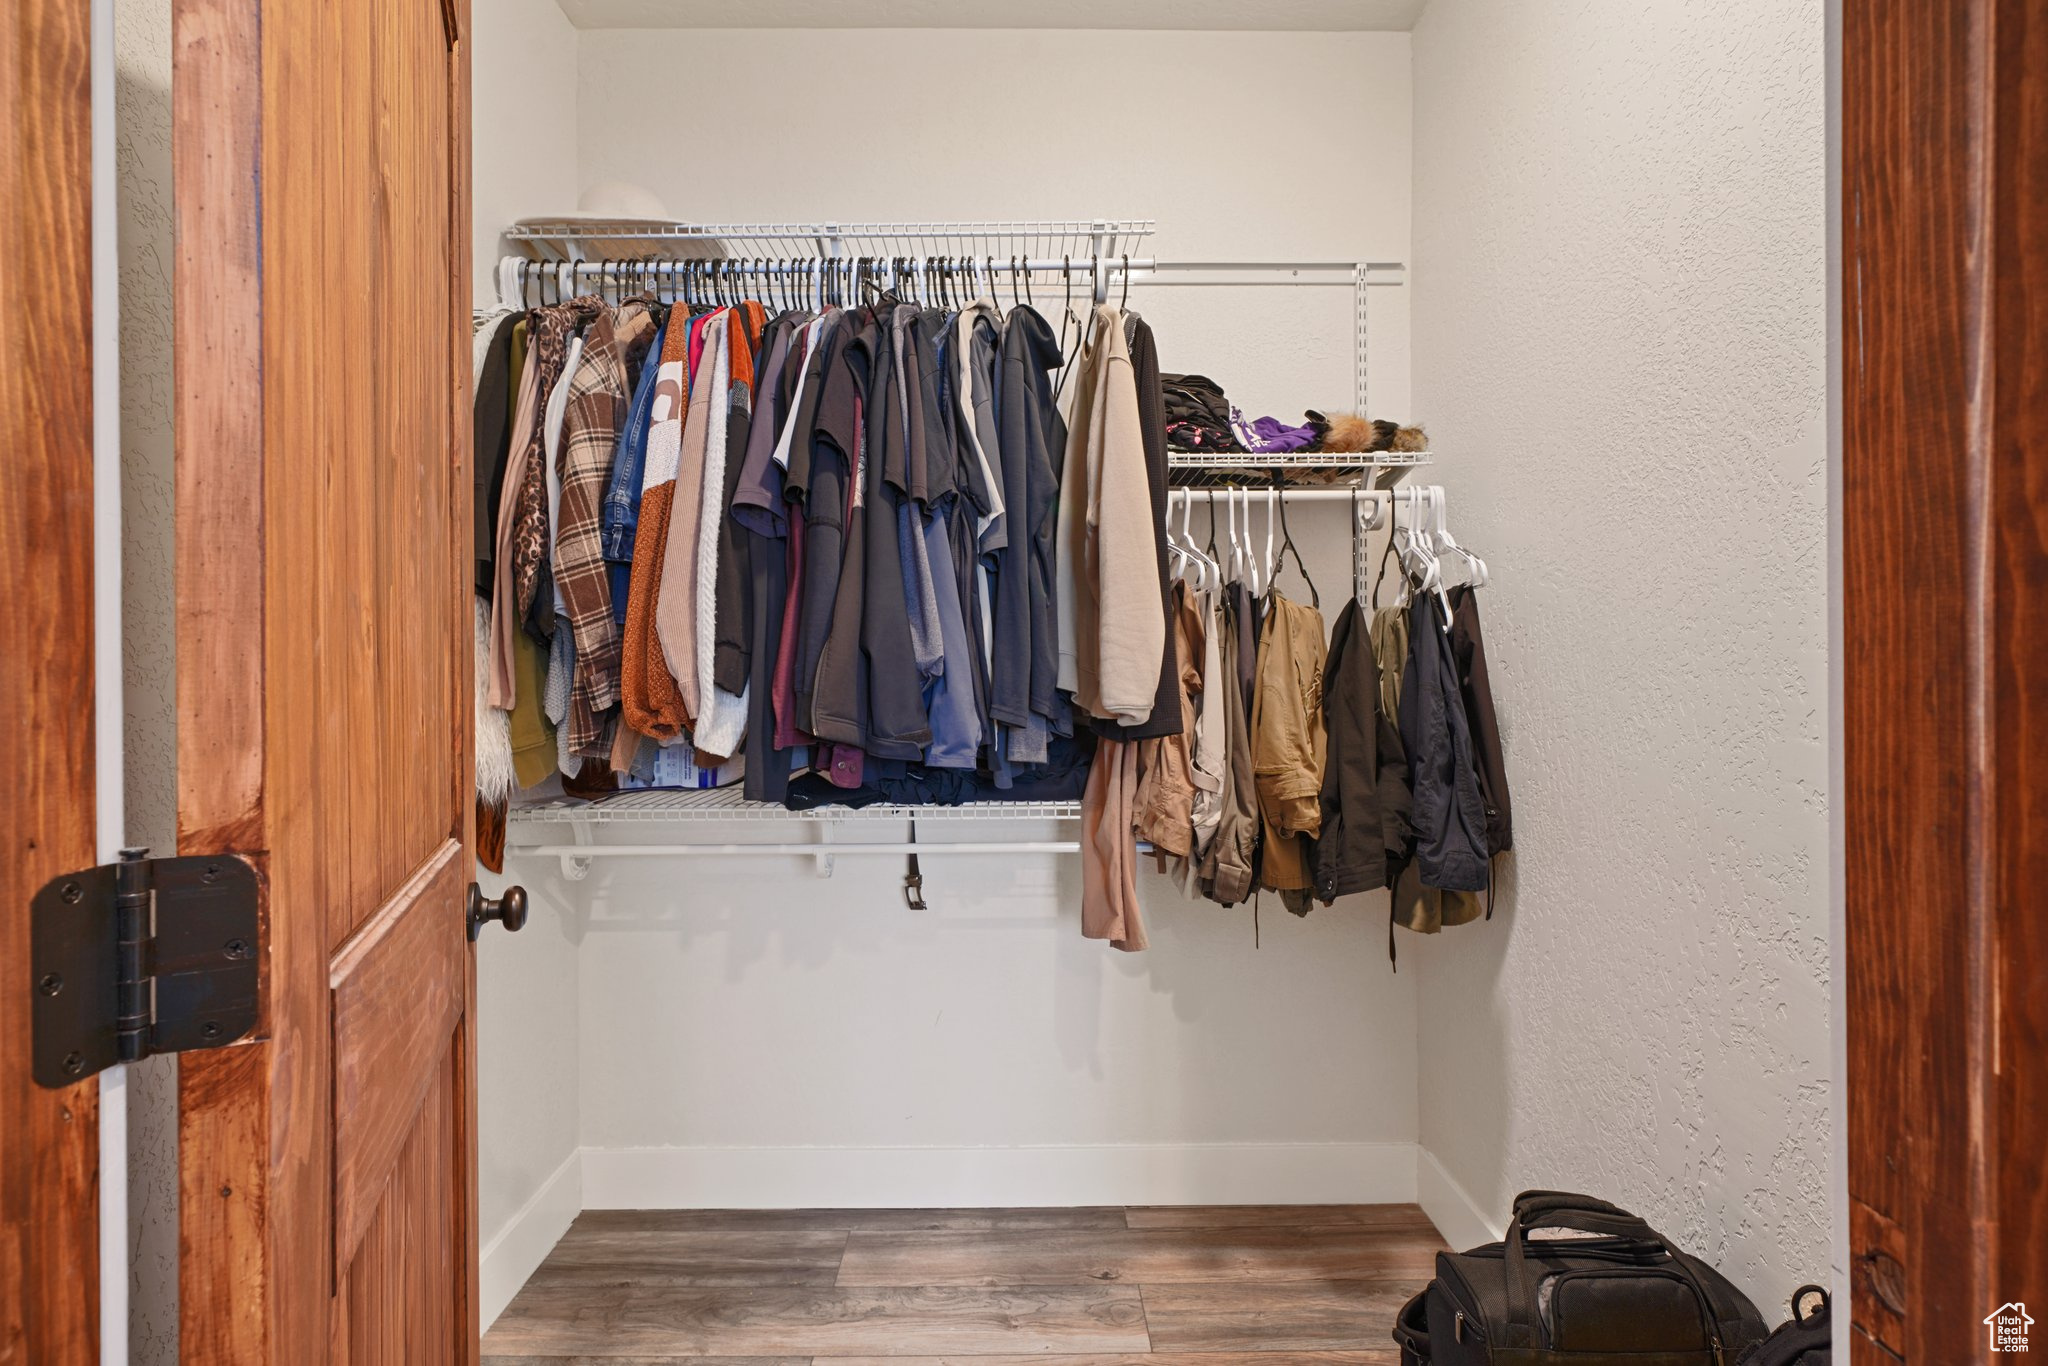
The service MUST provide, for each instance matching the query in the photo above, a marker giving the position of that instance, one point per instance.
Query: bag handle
(1561, 1209)
(1414, 1341)
(1539, 1201)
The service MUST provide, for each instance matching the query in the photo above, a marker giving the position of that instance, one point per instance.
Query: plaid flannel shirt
(590, 436)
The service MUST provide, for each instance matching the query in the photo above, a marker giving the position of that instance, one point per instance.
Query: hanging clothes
(1229, 865)
(491, 425)
(1165, 717)
(1109, 860)
(1450, 817)
(1209, 751)
(1113, 629)
(653, 703)
(1024, 674)
(595, 411)
(1475, 686)
(621, 516)
(862, 555)
(1166, 779)
(1349, 854)
(678, 602)
(1287, 743)
(1413, 906)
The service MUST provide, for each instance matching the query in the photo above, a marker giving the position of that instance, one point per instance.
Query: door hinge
(143, 956)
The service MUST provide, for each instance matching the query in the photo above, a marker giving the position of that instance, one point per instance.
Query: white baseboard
(1109, 1174)
(517, 1249)
(1450, 1207)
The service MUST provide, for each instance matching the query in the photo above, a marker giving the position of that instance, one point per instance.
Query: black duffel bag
(1625, 1296)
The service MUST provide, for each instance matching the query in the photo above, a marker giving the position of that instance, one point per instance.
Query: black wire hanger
(1287, 545)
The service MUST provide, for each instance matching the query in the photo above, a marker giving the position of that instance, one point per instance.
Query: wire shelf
(1079, 238)
(1329, 469)
(727, 804)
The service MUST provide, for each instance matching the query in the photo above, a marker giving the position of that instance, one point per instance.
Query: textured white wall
(522, 122)
(523, 149)
(1620, 334)
(142, 94)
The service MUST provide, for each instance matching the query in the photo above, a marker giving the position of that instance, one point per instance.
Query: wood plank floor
(1236, 1285)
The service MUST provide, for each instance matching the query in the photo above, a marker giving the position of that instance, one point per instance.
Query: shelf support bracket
(823, 858)
(576, 867)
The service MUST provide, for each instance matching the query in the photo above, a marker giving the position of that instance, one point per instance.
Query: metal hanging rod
(1290, 493)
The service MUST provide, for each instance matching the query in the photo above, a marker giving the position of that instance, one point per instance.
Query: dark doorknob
(509, 909)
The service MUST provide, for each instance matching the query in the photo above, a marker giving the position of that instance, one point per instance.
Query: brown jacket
(1226, 865)
(1166, 782)
(1288, 740)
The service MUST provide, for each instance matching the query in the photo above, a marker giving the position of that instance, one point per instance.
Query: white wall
(523, 150)
(749, 1034)
(1620, 342)
(737, 125)
(522, 121)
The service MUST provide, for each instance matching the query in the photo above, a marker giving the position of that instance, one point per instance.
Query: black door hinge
(140, 957)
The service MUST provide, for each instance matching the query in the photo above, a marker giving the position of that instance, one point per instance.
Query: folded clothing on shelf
(1197, 415)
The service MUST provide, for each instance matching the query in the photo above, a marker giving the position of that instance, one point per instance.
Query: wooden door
(324, 652)
(49, 1140)
(1945, 670)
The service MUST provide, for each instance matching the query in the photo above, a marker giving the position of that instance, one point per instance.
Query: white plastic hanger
(1230, 570)
(1174, 549)
(1208, 574)
(1268, 566)
(1440, 534)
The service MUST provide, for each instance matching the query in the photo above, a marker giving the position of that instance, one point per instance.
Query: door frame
(50, 1250)
(1944, 667)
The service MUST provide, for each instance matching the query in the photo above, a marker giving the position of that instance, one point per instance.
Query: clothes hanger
(1426, 571)
(1209, 574)
(1475, 568)
(1287, 545)
(1066, 316)
(1176, 554)
(1268, 566)
(1124, 302)
(1238, 557)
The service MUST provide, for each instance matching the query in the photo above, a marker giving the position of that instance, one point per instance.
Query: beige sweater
(1119, 629)
(675, 612)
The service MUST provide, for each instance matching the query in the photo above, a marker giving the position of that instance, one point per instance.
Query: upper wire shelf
(727, 804)
(565, 239)
(1382, 469)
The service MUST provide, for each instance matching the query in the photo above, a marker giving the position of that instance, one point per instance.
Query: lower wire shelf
(532, 831)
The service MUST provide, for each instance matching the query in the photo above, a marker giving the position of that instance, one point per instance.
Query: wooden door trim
(257, 1175)
(399, 1043)
(461, 401)
(1945, 667)
(49, 1140)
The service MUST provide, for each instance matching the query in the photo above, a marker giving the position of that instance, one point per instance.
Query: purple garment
(1269, 435)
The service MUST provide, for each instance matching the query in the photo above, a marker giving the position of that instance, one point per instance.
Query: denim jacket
(620, 517)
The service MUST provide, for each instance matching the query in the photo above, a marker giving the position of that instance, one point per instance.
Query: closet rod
(896, 847)
(805, 265)
(1289, 493)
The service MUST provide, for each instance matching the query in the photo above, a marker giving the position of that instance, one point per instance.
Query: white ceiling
(1294, 15)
